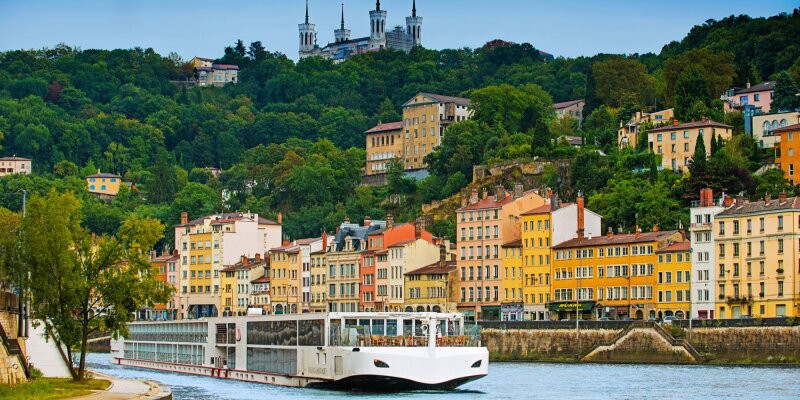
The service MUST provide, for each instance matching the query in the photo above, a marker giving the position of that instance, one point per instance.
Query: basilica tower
(308, 36)
(414, 26)
(342, 34)
(377, 23)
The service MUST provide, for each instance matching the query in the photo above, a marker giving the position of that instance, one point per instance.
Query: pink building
(484, 225)
(759, 95)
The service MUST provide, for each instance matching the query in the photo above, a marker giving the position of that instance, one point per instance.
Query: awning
(570, 306)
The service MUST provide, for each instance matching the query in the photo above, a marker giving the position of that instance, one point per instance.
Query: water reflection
(521, 380)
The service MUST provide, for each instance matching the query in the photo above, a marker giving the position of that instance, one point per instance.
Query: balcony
(697, 226)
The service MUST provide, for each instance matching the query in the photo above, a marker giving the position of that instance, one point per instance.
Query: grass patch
(52, 388)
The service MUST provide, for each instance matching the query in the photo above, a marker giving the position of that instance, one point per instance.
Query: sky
(204, 27)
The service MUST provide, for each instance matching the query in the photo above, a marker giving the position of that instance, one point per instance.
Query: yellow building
(425, 118)
(384, 144)
(511, 306)
(676, 143)
(319, 281)
(103, 184)
(536, 236)
(236, 281)
(673, 287)
(285, 266)
(607, 276)
(432, 288)
(757, 247)
(628, 133)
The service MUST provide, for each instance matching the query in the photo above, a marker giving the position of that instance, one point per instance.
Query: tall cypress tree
(714, 145)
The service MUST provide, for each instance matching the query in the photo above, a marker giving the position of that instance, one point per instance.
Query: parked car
(604, 319)
(565, 319)
(668, 320)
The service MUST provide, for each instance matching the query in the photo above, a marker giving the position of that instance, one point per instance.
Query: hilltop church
(343, 47)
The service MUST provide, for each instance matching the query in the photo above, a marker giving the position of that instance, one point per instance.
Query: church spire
(306, 11)
(377, 5)
(342, 15)
(414, 9)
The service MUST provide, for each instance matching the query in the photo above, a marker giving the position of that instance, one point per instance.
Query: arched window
(372, 26)
(774, 124)
(766, 127)
(783, 123)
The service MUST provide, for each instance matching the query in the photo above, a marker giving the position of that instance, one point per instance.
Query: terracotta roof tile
(679, 246)
(760, 206)
(615, 239)
(436, 268)
(389, 126)
(447, 99)
(690, 125)
(565, 104)
(788, 128)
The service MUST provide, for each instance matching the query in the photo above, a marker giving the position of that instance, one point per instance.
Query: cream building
(628, 132)
(676, 143)
(384, 144)
(15, 165)
(425, 118)
(764, 126)
(406, 257)
(206, 245)
(572, 109)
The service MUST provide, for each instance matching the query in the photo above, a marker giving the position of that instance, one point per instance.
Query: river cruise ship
(345, 351)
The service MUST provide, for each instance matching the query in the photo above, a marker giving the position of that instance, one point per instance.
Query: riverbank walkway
(129, 389)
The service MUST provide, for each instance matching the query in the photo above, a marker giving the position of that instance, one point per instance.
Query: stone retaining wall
(542, 344)
(748, 345)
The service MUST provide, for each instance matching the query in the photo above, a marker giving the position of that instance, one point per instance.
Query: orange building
(166, 264)
(787, 151)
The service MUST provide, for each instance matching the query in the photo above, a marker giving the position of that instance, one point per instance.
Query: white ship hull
(380, 360)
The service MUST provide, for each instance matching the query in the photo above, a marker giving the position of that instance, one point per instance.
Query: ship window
(311, 332)
(274, 333)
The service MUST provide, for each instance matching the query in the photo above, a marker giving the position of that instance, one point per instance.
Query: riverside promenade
(128, 389)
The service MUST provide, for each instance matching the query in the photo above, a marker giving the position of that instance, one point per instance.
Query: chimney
(637, 232)
(324, 241)
(739, 200)
(285, 242)
(485, 193)
(280, 218)
(419, 226)
(464, 199)
(782, 197)
(244, 260)
(579, 202)
(367, 221)
(553, 201)
(610, 232)
(184, 218)
(518, 189)
(767, 198)
(727, 201)
(748, 83)
(258, 256)
(153, 254)
(499, 193)
(473, 196)
(675, 122)
(656, 228)
(175, 253)
(389, 221)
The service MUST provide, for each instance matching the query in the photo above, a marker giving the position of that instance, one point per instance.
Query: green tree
(618, 79)
(691, 95)
(161, 182)
(785, 97)
(81, 284)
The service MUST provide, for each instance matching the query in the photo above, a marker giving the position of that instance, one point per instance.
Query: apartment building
(319, 280)
(764, 127)
(344, 264)
(676, 143)
(628, 132)
(259, 293)
(236, 284)
(759, 95)
(483, 225)
(511, 306)
(673, 287)
(103, 184)
(787, 154)
(757, 245)
(608, 276)
(408, 256)
(425, 118)
(543, 227)
(208, 73)
(384, 144)
(284, 274)
(206, 245)
(167, 273)
(15, 165)
(432, 288)
(572, 109)
(701, 233)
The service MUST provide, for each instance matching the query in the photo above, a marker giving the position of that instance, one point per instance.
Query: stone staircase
(642, 328)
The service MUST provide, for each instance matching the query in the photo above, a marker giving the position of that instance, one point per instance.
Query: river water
(521, 381)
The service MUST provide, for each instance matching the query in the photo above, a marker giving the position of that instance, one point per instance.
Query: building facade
(384, 144)
(511, 306)
(673, 287)
(701, 232)
(607, 276)
(572, 109)
(425, 118)
(167, 273)
(676, 143)
(207, 245)
(787, 151)
(628, 132)
(759, 95)
(103, 184)
(757, 244)
(483, 225)
(343, 47)
(344, 264)
(432, 288)
(15, 165)
(236, 284)
(319, 280)
(208, 73)
(765, 126)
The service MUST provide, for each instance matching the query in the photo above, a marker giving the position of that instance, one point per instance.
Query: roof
(168, 257)
(306, 241)
(572, 140)
(263, 279)
(447, 99)
(251, 263)
(758, 87)
(403, 243)
(388, 126)
(14, 158)
(318, 252)
(488, 202)
(679, 246)
(290, 248)
(760, 206)
(513, 243)
(565, 104)
(356, 232)
(226, 218)
(543, 209)
(787, 128)
(436, 268)
(204, 59)
(614, 239)
(224, 66)
(689, 125)
(103, 175)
